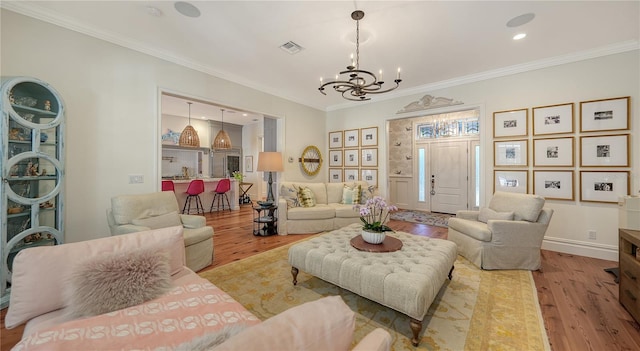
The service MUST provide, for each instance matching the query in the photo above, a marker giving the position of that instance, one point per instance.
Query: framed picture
(553, 185)
(351, 138)
(248, 163)
(555, 152)
(369, 136)
(604, 151)
(510, 153)
(370, 176)
(553, 119)
(335, 175)
(335, 158)
(606, 114)
(510, 181)
(510, 123)
(351, 158)
(350, 174)
(335, 140)
(603, 186)
(369, 157)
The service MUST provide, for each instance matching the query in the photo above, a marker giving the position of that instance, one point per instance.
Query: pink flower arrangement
(374, 214)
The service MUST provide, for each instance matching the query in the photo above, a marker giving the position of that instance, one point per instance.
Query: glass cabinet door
(32, 169)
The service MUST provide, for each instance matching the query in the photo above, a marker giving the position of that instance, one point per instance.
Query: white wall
(112, 102)
(605, 77)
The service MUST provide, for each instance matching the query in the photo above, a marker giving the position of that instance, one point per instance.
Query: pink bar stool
(196, 187)
(224, 185)
(167, 185)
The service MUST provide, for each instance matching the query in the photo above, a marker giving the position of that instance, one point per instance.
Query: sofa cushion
(351, 195)
(306, 197)
(197, 235)
(319, 191)
(524, 206)
(330, 327)
(113, 281)
(474, 229)
(51, 272)
(334, 192)
(316, 212)
(125, 208)
(487, 214)
(345, 211)
(170, 219)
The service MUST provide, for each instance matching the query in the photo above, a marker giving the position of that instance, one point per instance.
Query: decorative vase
(373, 237)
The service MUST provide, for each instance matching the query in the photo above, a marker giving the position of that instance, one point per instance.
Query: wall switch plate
(592, 234)
(136, 178)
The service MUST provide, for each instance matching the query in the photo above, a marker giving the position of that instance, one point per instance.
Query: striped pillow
(306, 197)
(351, 195)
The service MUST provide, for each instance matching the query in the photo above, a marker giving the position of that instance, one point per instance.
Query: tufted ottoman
(407, 280)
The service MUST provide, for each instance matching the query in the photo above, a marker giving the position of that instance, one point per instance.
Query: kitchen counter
(210, 185)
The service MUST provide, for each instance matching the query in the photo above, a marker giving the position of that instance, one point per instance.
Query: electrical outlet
(136, 178)
(592, 234)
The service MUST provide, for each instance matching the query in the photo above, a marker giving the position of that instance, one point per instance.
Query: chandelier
(189, 136)
(358, 83)
(222, 140)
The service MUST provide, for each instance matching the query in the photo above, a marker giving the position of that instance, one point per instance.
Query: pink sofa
(192, 310)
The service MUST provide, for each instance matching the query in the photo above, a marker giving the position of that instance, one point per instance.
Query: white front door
(448, 178)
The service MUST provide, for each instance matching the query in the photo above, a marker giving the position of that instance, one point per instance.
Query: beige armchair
(505, 235)
(141, 212)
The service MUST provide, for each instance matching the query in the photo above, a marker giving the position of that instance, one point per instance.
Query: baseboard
(581, 248)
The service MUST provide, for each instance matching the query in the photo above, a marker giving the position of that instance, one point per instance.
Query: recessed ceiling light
(521, 20)
(519, 36)
(187, 9)
(244, 115)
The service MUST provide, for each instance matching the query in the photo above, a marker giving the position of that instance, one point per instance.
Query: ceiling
(436, 43)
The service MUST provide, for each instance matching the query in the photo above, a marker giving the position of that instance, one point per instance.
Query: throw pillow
(166, 220)
(367, 193)
(306, 197)
(119, 280)
(351, 195)
(487, 214)
(290, 194)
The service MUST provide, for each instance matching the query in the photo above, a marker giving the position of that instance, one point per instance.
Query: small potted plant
(374, 214)
(238, 176)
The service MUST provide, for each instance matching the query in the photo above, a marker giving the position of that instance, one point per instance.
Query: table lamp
(270, 162)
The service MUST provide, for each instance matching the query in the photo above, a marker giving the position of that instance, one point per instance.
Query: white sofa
(329, 213)
(192, 314)
(140, 212)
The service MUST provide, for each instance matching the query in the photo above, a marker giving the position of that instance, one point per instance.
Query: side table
(265, 220)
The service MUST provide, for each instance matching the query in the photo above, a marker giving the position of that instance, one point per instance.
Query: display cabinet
(32, 151)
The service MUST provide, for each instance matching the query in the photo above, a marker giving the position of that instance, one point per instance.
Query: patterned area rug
(477, 310)
(429, 218)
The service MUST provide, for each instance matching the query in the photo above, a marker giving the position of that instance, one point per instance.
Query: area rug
(429, 218)
(477, 310)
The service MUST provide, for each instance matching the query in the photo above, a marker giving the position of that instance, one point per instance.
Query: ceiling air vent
(291, 47)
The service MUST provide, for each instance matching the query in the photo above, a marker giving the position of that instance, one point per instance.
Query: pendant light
(222, 140)
(189, 136)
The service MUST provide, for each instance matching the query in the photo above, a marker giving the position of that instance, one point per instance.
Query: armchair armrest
(128, 228)
(516, 233)
(193, 221)
(466, 214)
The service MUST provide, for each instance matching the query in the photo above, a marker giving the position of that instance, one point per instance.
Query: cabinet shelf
(32, 168)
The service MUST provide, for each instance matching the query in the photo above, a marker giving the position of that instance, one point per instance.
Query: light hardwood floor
(579, 300)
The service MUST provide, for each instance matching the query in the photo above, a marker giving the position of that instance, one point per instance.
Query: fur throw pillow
(114, 281)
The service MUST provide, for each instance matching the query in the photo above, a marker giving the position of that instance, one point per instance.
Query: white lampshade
(270, 162)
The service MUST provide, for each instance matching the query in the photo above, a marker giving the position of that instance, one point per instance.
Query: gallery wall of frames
(353, 155)
(592, 159)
